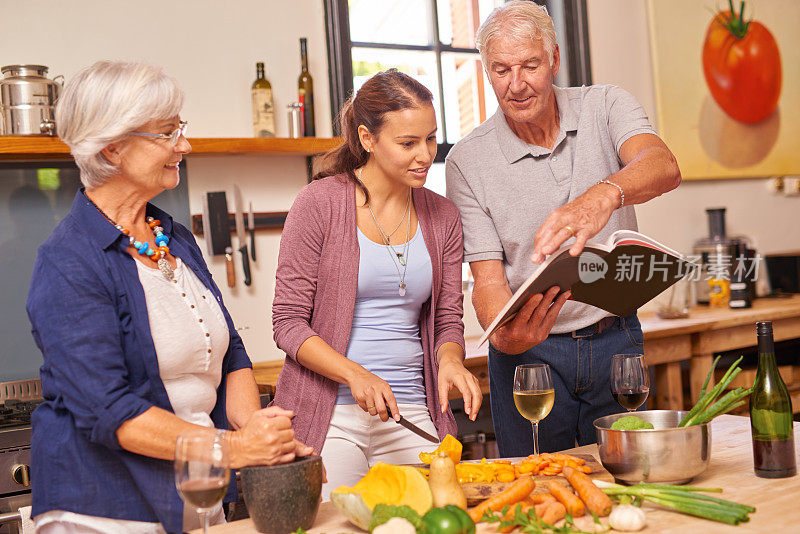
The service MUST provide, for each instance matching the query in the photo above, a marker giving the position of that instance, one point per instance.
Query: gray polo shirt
(505, 188)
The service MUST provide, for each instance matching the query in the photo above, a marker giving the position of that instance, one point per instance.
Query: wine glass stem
(535, 425)
(204, 520)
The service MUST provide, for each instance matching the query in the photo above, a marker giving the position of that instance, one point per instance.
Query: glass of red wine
(630, 384)
(202, 471)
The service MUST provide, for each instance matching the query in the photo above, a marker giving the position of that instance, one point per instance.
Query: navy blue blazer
(89, 317)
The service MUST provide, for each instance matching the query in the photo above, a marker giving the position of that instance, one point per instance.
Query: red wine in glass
(630, 399)
(204, 492)
(630, 384)
(201, 470)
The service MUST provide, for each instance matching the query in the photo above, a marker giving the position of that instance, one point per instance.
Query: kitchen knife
(241, 233)
(416, 430)
(251, 223)
(220, 230)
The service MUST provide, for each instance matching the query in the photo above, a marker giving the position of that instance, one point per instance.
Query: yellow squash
(444, 483)
(450, 445)
(383, 484)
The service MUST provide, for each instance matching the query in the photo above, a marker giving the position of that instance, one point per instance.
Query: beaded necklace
(157, 254)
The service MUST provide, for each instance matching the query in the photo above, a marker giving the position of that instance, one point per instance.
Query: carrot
(526, 467)
(596, 501)
(573, 504)
(555, 512)
(541, 508)
(539, 498)
(517, 491)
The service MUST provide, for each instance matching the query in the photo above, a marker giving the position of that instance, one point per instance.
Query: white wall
(211, 47)
(620, 54)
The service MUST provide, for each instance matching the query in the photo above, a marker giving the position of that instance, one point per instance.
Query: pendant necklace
(158, 253)
(398, 258)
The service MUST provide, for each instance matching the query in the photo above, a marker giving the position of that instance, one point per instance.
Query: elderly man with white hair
(551, 165)
(138, 347)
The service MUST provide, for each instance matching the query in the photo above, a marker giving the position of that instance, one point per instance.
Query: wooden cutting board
(480, 491)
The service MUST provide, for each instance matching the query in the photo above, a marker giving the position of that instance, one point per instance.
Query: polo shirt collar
(515, 148)
(102, 232)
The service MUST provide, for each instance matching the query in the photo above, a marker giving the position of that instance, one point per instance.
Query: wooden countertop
(730, 468)
(704, 318)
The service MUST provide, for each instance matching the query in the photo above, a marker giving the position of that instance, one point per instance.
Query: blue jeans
(580, 366)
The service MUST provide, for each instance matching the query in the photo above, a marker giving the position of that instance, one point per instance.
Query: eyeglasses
(173, 137)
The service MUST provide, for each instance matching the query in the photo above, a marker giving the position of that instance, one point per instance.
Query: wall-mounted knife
(251, 224)
(241, 233)
(218, 238)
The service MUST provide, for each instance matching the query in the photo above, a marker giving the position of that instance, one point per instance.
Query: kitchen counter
(730, 468)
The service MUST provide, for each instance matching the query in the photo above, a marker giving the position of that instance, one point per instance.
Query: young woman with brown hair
(368, 300)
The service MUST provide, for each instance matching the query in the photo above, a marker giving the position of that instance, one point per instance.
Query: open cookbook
(618, 275)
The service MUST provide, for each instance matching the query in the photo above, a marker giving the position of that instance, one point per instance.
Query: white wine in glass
(201, 471)
(534, 395)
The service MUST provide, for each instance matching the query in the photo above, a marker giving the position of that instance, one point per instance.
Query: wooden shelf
(43, 148)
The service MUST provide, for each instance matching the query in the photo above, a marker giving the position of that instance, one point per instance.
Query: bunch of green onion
(708, 406)
(684, 499)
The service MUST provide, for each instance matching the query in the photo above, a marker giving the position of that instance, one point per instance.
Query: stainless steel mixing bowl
(666, 454)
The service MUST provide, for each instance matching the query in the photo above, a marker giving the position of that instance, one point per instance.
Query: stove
(18, 399)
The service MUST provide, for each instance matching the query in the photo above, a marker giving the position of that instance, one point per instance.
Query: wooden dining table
(777, 501)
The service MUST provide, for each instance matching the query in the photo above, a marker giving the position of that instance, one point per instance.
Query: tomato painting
(742, 66)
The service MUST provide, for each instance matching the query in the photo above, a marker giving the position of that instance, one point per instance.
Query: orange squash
(450, 445)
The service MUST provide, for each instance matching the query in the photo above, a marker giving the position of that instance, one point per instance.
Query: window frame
(574, 47)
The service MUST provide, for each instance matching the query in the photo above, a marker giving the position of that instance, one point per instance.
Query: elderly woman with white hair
(138, 346)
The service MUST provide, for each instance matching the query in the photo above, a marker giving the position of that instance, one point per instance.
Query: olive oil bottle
(263, 108)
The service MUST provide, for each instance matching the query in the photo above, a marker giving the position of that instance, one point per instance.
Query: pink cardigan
(315, 294)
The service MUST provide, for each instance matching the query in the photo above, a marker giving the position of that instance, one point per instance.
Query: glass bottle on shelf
(263, 108)
(305, 91)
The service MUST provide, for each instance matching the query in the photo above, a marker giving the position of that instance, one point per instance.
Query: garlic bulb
(627, 517)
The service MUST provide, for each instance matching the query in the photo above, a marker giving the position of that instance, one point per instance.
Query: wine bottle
(263, 109)
(305, 91)
(771, 413)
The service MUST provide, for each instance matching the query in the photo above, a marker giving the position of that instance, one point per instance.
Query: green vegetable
(530, 524)
(685, 499)
(447, 520)
(630, 422)
(708, 406)
(467, 525)
(384, 512)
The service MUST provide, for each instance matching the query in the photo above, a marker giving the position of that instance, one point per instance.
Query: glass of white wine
(534, 395)
(201, 471)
